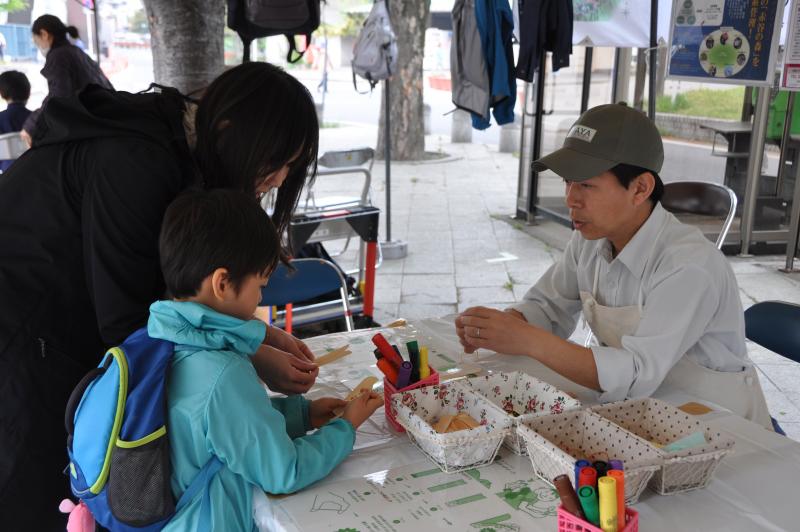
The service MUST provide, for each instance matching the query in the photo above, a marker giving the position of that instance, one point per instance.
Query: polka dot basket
(557, 441)
(662, 423)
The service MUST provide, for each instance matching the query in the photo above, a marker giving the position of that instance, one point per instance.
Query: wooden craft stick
(333, 356)
(365, 385)
(695, 409)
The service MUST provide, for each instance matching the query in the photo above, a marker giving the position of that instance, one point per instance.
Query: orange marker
(619, 476)
(388, 370)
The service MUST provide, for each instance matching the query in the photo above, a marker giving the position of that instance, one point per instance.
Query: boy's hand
(322, 410)
(283, 372)
(359, 409)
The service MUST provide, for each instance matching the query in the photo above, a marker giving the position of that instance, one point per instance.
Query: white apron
(740, 392)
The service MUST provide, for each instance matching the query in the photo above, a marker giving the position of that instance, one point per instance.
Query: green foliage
(13, 5)
(138, 22)
(709, 103)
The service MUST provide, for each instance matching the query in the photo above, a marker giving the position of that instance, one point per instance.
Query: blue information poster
(725, 41)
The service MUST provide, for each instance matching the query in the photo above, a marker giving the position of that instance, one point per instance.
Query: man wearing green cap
(660, 298)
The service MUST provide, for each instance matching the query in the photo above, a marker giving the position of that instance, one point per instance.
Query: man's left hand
(496, 330)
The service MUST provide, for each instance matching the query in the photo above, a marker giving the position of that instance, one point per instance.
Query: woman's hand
(280, 339)
(496, 330)
(284, 372)
(322, 410)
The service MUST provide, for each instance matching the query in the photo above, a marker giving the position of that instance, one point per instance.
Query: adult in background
(67, 68)
(79, 263)
(15, 89)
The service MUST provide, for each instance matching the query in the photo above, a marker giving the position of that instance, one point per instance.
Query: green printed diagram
(724, 52)
(594, 10)
(329, 502)
(496, 524)
(698, 13)
(537, 502)
(476, 475)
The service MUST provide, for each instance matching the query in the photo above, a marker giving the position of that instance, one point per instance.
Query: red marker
(387, 351)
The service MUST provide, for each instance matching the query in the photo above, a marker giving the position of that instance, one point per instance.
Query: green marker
(588, 498)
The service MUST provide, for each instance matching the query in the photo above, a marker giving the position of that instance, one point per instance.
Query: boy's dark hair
(14, 86)
(625, 173)
(52, 25)
(206, 230)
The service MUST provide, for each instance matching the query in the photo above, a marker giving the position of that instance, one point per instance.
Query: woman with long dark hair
(67, 68)
(79, 265)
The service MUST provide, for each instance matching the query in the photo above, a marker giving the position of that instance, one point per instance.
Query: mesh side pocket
(139, 491)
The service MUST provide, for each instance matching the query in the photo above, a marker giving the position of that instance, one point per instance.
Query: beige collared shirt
(690, 301)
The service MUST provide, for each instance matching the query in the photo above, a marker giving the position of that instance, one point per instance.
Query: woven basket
(417, 410)
(527, 396)
(556, 442)
(660, 422)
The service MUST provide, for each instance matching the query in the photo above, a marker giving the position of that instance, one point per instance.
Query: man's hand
(322, 410)
(284, 372)
(504, 332)
(280, 339)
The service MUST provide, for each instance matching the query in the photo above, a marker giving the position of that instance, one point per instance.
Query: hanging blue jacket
(495, 22)
(218, 406)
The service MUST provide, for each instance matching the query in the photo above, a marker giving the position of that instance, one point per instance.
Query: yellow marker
(424, 371)
(607, 490)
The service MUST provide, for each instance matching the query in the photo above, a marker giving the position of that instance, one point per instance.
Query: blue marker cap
(615, 464)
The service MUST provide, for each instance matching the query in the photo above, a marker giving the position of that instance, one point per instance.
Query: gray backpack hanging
(375, 50)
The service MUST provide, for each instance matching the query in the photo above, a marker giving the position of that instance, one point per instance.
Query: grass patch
(330, 125)
(725, 104)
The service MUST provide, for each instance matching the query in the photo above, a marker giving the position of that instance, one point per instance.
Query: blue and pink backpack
(117, 440)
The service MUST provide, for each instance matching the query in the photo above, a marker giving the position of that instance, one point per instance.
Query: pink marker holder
(389, 390)
(571, 523)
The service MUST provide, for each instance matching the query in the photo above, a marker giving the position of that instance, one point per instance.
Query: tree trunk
(409, 20)
(187, 41)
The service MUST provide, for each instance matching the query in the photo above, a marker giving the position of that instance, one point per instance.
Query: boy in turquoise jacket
(217, 250)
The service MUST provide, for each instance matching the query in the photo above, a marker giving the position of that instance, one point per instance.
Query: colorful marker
(404, 375)
(615, 464)
(413, 356)
(619, 476)
(607, 488)
(580, 464)
(588, 498)
(388, 370)
(569, 499)
(387, 351)
(601, 467)
(424, 370)
(588, 477)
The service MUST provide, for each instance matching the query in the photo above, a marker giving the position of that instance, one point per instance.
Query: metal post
(96, 31)
(794, 223)
(533, 189)
(615, 78)
(651, 98)
(785, 139)
(387, 154)
(754, 168)
(747, 104)
(587, 78)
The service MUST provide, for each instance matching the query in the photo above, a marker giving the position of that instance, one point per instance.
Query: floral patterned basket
(660, 422)
(417, 411)
(556, 442)
(519, 393)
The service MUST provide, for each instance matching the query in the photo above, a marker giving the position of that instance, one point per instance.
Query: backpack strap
(293, 48)
(372, 84)
(201, 482)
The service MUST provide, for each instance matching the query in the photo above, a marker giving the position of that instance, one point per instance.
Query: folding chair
(12, 146)
(310, 278)
(775, 325)
(703, 199)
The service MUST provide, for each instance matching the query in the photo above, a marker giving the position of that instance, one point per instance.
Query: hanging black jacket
(80, 215)
(543, 25)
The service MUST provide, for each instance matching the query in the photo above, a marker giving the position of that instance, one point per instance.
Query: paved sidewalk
(465, 250)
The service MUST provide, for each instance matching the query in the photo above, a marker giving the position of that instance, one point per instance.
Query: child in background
(15, 89)
(217, 250)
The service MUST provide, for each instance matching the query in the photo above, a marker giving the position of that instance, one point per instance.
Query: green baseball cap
(603, 137)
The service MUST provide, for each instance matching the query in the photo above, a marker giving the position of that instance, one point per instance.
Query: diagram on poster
(622, 23)
(724, 41)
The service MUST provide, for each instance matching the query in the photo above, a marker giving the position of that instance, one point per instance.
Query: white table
(387, 484)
